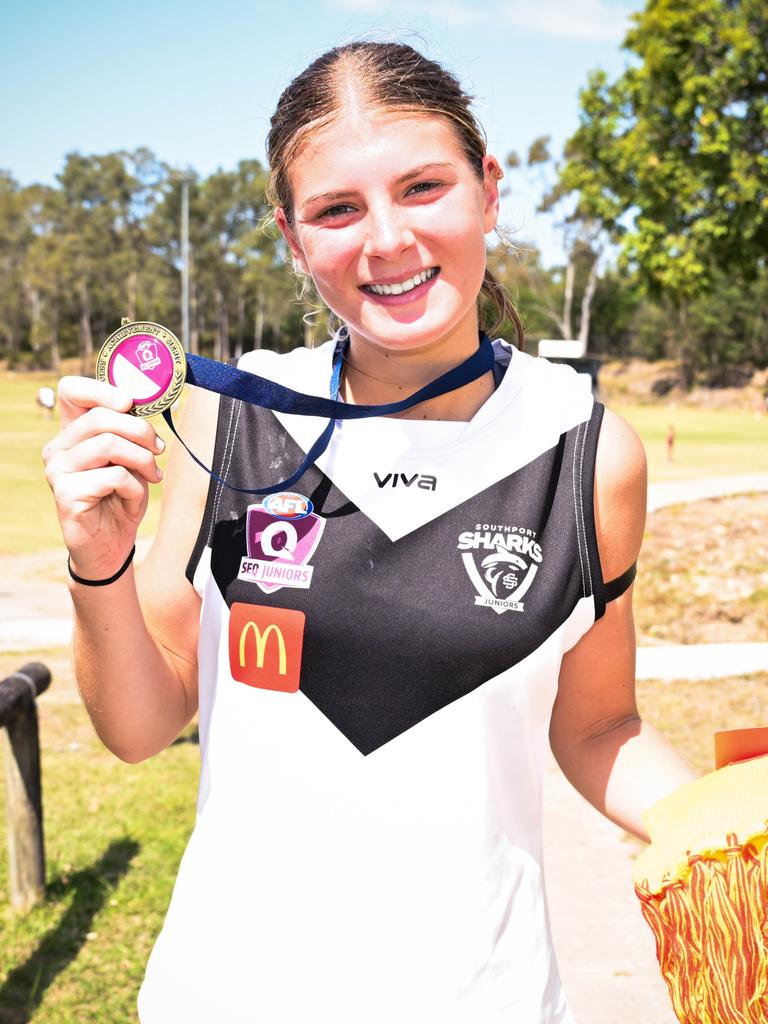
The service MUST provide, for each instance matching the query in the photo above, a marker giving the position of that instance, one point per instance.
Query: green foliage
(104, 243)
(672, 157)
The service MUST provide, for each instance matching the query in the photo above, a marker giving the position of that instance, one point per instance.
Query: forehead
(371, 142)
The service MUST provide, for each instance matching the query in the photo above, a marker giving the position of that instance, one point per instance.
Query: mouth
(409, 284)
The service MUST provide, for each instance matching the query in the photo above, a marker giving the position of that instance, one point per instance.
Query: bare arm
(616, 761)
(135, 640)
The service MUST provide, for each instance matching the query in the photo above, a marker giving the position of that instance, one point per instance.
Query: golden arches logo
(261, 640)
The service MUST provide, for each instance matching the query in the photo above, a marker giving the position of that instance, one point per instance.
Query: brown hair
(393, 75)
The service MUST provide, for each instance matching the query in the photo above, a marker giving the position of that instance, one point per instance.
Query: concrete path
(678, 492)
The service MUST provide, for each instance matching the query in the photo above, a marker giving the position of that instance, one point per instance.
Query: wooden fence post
(21, 764)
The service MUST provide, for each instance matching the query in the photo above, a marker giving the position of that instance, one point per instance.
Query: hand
(99, 468)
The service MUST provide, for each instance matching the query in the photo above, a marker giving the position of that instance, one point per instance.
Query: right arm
(135, 640)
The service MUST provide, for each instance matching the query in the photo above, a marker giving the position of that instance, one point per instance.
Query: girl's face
(390, 219)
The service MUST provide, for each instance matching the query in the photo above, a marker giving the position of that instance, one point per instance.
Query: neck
(373, 375)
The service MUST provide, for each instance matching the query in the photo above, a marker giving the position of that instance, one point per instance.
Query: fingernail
(159, 444)
(159, 473)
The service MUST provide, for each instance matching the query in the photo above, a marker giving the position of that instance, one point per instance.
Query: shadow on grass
(188, 737)
(25, 986)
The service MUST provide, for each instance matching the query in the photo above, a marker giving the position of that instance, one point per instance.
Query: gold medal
(148, 361)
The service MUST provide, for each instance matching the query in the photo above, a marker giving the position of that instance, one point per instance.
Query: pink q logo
(288, 505)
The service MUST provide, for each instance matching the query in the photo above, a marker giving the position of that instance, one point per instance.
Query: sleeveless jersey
(378, 659)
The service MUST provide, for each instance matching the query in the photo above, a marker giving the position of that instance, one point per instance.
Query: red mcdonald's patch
(265, 646)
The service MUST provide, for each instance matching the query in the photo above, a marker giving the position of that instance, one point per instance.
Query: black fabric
(393, 631)
(621, 584)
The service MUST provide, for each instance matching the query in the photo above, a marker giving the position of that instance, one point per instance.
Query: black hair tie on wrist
(102, 583)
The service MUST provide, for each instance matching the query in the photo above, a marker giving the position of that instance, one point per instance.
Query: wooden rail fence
(20, 741)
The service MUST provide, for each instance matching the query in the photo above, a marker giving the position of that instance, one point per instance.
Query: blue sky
(196, 81)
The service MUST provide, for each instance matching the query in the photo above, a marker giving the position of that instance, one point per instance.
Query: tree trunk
(55, 358)
(222, 327)
(586, 305)
(570, 275)
(194, 318)
(258, 323)
(86, 336)
(35, 312)
(132, 295)
(684, 346)
(240, 325)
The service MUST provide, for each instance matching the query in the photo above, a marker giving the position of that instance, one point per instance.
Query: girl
(380, 655)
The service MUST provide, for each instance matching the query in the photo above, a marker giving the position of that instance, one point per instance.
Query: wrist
(99, 580)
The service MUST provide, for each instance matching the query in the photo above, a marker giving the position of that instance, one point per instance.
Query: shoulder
(620, 494)
(298, 368)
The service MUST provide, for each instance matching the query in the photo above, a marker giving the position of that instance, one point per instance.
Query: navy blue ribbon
(249, 387)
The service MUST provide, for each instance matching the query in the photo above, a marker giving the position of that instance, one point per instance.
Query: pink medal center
(143, 366)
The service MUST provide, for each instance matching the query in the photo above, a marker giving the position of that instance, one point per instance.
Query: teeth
(402, 286)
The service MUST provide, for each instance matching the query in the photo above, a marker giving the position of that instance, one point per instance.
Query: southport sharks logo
(502, 562)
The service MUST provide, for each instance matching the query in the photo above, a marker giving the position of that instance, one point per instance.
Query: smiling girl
(381, 656)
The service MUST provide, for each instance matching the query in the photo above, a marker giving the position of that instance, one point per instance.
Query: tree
(581, 240)
(672, 157)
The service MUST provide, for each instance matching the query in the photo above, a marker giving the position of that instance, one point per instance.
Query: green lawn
(28, 518)
(114, 835)
(715, 442)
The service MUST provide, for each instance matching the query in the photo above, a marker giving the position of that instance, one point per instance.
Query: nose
(388, 233)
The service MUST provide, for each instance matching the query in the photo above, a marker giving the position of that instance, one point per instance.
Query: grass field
(114, 836)
(717, 442)
(28, 519)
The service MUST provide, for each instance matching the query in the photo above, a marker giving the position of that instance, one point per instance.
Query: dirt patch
(703, 573)
(690, 713)
(662, 382)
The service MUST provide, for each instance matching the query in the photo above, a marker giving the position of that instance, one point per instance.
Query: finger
(78, 394)
(99, 420)
(80, 492)
(105, 450)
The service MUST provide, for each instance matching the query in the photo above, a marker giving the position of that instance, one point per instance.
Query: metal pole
(185, 263)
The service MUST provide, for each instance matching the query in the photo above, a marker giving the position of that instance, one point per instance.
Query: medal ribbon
(250, 387)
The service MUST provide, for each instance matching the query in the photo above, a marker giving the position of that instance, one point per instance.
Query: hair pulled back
(389, 75)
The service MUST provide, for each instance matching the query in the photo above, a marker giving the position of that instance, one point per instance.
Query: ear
(288, 234)
(492, 175)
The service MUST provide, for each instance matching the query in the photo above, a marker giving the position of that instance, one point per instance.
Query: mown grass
(114, 835)
(28, 518)
(708, 442)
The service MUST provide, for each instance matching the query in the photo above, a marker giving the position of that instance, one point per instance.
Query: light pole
(185, 261)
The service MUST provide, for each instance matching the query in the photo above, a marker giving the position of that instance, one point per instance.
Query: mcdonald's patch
(265, 646)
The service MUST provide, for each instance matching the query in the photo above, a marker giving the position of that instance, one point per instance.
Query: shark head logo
(502, 570)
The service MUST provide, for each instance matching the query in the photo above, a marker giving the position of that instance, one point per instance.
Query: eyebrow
(416, 172)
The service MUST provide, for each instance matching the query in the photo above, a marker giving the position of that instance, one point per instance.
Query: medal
(147, 360)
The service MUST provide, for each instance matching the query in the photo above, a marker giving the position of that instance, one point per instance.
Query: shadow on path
(25, 986)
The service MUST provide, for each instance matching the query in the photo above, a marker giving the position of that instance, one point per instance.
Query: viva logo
(422, 480)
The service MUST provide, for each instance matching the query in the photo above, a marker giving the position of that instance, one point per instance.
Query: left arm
(618, 763)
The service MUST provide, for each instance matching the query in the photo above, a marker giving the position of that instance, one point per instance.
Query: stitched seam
(581, 503)
(222, 473)
(576, 510)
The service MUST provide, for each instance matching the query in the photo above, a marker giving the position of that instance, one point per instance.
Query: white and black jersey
(379, 655)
